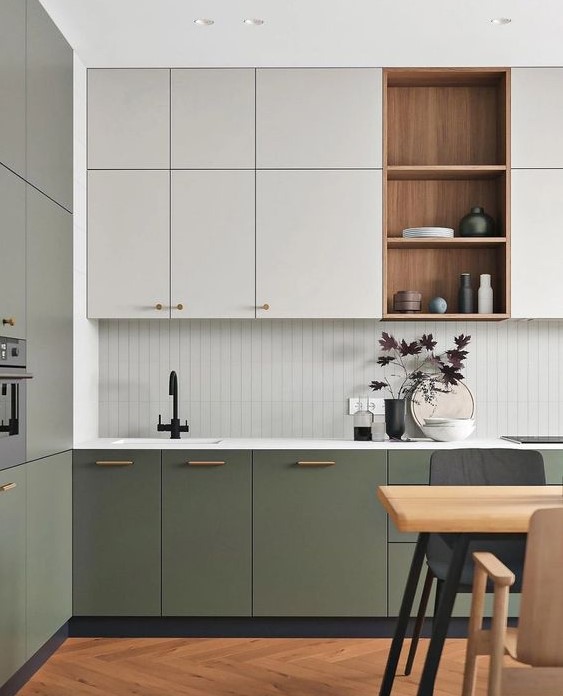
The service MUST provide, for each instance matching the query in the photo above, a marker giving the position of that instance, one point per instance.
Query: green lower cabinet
(553, 463)
(12, 571)
(319, 534)
(400, 556)
(49, 547)
(206, 533)
(410, 468)
(116, 539)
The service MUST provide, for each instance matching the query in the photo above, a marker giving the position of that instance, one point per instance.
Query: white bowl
(447, 421)
(449, 432)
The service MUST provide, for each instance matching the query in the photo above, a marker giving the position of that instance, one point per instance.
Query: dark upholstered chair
(475, 467)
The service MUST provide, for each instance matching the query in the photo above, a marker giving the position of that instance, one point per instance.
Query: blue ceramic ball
(437, 305)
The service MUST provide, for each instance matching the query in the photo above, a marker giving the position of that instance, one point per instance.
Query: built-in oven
(13, 379)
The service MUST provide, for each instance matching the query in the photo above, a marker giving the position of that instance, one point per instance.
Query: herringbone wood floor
(234, 667)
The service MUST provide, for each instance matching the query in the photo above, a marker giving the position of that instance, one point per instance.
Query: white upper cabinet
(212, 118)
(318, 244)
(537, 115)
(537, 243)
(128, 119)
(319, 118)
(128, 244)
(212, 244)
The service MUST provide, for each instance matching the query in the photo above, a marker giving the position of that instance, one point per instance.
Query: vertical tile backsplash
(292, 378)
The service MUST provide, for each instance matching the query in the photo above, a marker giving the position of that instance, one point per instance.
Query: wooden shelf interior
(443, 202)
(435, 273)
(448, 118)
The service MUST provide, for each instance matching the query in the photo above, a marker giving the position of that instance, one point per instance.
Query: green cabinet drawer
(49, 547)
(12, 571)
(408, 468)
(206, 533)
(400, 557)
(319, 534)
(116, 541)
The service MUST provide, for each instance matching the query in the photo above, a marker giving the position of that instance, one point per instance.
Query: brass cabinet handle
(159, 306)
(316, 463)
(180, 306)
(10, 321)
(196, 463)
(7, 487)
(264, 306)
(123, 462)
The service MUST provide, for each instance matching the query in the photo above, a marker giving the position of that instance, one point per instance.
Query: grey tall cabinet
(36, 301)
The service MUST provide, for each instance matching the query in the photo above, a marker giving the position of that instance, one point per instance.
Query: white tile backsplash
(292, 378)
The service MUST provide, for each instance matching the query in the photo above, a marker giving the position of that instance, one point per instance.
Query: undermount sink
(164, 441)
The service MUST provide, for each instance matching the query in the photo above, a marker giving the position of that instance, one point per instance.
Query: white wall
(291, 378)
(85, 331)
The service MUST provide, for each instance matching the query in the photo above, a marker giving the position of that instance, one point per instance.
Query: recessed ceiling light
(501, 20)
(204, 22)
(254, 22)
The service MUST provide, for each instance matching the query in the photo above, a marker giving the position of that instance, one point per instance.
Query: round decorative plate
(457, 403)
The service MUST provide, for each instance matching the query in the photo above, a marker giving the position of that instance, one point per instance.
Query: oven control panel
(12, 352)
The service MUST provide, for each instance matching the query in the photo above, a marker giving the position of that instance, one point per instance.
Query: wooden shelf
(444, 242)
(446, 150)
(448, 316)
(444, 171)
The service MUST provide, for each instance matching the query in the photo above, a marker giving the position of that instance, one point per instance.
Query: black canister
(465, 294)
(477, 224)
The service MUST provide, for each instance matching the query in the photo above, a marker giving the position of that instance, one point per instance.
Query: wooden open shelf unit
(446, 149)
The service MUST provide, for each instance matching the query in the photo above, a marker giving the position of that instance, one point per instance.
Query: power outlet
(365, 403)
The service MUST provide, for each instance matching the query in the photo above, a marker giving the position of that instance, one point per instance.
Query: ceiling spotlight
(254, 22)
(500, 20)
(204, 22)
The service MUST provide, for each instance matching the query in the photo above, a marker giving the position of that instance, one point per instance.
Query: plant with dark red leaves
(417, 363)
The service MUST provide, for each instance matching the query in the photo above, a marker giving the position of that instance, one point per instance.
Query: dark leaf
(451, 375)
(388, 342)
(413, 348)
(385, 360)
(428, 342)
(376, 386)
(456, 357)
(461, 341)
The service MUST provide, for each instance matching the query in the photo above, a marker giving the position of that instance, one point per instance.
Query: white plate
(457, 403)
(445, 421)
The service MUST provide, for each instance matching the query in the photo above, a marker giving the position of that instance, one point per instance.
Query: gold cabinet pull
(10, 321)
(264, 306)
(316, 463)
(122, 462)
(7, 487)
(180, 306)
(196, 463)
(159, 306)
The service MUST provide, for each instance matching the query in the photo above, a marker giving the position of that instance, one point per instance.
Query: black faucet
(174, 426)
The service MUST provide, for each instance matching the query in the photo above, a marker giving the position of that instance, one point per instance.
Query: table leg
(442, 618)
(404, 615)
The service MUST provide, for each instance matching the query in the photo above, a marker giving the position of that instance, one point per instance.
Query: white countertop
(295, 444)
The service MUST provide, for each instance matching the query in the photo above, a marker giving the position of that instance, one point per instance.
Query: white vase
(485, 295)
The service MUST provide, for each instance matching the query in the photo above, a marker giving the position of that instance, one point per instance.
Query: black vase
(477, 224)
(395, 418)
(465, 295)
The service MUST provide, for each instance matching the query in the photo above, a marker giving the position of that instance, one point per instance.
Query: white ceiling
(161, 33)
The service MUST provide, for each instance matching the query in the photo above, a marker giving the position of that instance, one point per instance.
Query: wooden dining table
(461, 515)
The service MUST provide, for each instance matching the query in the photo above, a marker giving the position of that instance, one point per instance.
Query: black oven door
(12, 416)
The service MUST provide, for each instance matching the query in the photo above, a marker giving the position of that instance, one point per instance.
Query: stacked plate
(425, 232)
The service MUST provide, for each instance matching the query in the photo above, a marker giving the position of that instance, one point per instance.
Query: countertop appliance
(13, 378)
(534, 439)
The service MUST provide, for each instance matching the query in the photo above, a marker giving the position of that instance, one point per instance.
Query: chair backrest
(487, 467)
(484, 467)
(540, 627)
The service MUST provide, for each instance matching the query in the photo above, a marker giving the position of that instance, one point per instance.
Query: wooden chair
(474, 467)
(538, 641)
